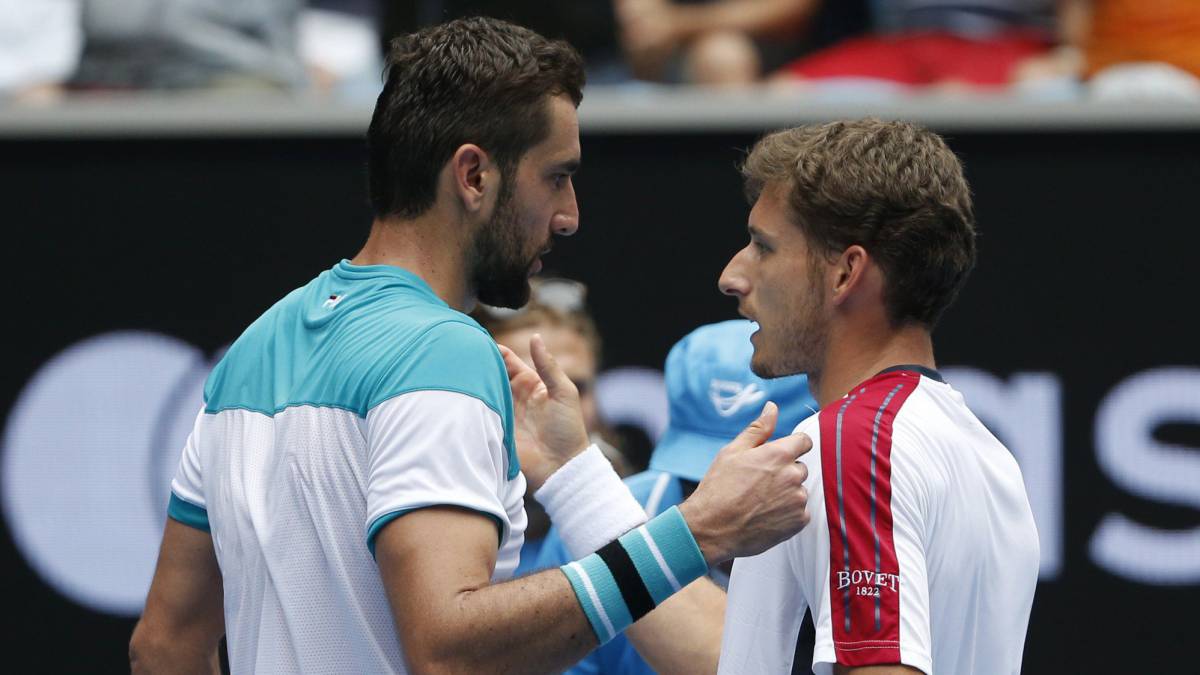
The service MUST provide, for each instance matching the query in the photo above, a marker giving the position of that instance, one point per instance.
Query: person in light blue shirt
(712, 396)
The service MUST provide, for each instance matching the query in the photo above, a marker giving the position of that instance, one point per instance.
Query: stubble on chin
(799, 352)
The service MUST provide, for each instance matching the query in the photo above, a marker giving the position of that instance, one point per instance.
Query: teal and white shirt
(354, 400)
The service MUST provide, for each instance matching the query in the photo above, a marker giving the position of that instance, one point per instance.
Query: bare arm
(697, 612)
(451, 620)
(754, 17)
(1074, 21)
(652, 29)
(183, 622)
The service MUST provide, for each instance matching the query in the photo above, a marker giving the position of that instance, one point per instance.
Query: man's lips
(536, 265)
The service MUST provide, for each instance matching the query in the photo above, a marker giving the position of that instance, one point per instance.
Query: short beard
(805, 341)
(497, 261)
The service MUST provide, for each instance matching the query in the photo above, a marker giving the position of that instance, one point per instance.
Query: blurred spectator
(183, 44)
(339, 45)
(589, 25)
(191, 44)
(932, 43)
(709, 43)
(678, 41)
(1138, 31)
(40, 41)
(557, 312)
(1126, 49)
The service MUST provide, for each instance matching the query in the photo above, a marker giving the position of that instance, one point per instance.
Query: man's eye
(761, 247)
(560, 180)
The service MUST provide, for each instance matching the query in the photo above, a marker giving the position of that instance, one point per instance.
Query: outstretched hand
(548, 421)
(753, 495)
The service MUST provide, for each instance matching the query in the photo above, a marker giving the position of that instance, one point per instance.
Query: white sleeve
(434, 448)
(187, 504)
(188, 483)
(763, 613)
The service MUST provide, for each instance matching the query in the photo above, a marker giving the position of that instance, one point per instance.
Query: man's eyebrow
(569, 166)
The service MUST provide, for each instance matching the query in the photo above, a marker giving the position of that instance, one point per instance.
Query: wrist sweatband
(627, 578)
(588, 503)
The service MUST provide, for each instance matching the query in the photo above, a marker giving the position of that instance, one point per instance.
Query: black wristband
(629, 582)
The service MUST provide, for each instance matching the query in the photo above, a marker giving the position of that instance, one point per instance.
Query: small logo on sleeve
(867, 582)
(333, 301)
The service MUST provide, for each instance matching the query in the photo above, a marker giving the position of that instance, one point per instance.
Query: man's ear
(849, 273)
(473, 176)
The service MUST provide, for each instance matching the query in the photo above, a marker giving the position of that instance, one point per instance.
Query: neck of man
(431, 246)
(858, 350)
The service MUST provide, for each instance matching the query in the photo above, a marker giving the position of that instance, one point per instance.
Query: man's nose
(732, 281)
(566, 221)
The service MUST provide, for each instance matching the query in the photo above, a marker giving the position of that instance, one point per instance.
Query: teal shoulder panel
(455, 355)
(354, 337)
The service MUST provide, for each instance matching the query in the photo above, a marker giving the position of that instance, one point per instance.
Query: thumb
(557, 383)
(760, 429)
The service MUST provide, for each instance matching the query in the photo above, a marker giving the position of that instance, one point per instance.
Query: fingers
(760, 429)
(557, 383)
(513, 363)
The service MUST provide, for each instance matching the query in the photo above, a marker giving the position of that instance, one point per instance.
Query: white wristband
(588, 503)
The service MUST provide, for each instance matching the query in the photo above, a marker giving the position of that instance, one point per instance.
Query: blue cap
(712, 396)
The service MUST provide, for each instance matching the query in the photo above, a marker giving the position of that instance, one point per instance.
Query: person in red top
(924, 43)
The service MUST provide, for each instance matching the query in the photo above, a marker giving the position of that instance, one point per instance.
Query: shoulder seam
(450, 390)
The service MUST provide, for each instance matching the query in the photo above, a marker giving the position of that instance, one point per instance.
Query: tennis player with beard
(350, 497)
(922, 555)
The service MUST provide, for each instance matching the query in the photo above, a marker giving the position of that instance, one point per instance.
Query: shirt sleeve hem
(189, 514)
(380, 521)
(825, 654)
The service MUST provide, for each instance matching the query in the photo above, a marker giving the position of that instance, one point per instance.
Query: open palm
(548, 422)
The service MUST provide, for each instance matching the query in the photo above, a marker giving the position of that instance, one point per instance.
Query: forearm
(755, 17)
(555, 616)
(698, 612)
(533, 624)
(1074, 21)
(181, 627)
(155, 651)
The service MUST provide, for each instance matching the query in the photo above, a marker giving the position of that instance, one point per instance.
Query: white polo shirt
(921, 550)
(354, 400)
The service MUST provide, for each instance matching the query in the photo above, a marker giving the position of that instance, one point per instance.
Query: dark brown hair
(477, 80)
(893, 188)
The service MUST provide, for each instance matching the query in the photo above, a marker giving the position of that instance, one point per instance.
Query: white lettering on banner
(1025, 412)
(1134, 460)
(94, 437)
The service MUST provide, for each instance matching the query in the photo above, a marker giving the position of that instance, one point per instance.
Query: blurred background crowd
(840, 49)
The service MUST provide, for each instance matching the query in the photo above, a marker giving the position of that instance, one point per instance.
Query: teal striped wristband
(627, 578)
